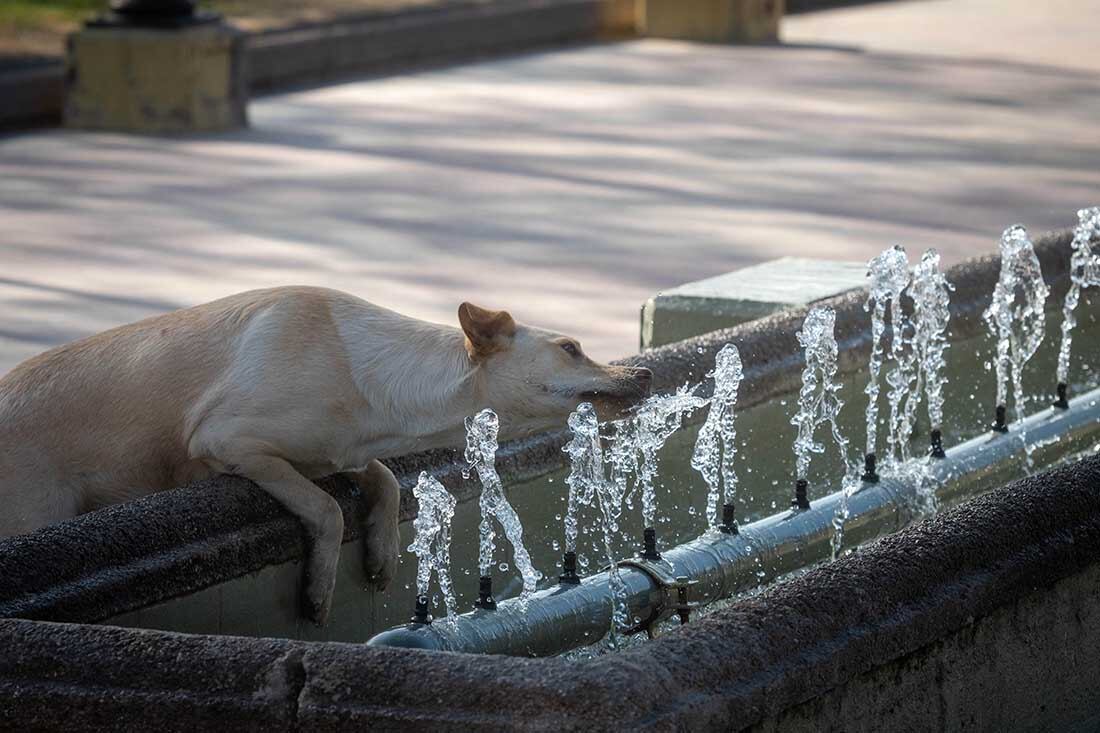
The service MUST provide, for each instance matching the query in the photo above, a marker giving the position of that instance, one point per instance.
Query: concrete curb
(375, 44)
(32, 97)
(442, 35)
(809, 6)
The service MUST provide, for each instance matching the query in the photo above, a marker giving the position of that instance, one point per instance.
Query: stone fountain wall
(986, 617)
(983, 617)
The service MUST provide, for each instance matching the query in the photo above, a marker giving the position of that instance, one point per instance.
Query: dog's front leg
(319, 513)
(381, 538)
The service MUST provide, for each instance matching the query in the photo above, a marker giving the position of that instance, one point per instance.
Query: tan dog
(280, 386)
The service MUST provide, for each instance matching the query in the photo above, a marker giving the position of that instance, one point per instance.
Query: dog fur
(280, 386)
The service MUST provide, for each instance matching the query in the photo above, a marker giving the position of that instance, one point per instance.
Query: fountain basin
(985, 616)
(221, 557)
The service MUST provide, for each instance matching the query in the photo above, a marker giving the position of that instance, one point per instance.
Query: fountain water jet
(634, 449)
(889, 275)
(635, 444)
(481, 448)
(586, 473)
(716, 448)
(588, 482)
(1084, 272)
(1016, 318)
(930, 292)
(432, 544)
(819, 400)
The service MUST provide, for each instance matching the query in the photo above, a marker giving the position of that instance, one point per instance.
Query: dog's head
(535, 378)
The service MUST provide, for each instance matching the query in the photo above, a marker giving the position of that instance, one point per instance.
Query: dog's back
(105, 418)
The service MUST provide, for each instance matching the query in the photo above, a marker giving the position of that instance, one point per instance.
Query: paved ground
(570, 186)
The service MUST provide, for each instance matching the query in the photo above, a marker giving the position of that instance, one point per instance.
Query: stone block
(714, 21)
(744, 295)
(150, 80)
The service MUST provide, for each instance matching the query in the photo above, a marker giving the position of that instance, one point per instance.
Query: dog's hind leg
(320, 515)
(381, 539)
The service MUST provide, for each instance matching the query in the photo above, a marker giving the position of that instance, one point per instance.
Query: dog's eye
(570, 348)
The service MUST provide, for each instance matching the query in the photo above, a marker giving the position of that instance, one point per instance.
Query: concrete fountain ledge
(129, 556)
(984, 617)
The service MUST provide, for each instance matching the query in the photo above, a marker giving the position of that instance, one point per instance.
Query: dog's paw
(316, 607)
(320, 586)
(382, 548)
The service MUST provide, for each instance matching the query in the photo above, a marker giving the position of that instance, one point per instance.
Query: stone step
(744, 295)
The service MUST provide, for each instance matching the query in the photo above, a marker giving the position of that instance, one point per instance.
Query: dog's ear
(486, 331)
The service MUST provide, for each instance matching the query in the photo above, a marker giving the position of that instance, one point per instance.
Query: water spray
(655, 586)
(634, 447)
(889, 276)
(586, 472)
(819, 400)
(1016, 318)
(930, 292)
(1084, 272)
(432, 544)
(716, 447)
(481, 447)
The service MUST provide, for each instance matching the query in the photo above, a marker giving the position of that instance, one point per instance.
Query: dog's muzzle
(634, 387)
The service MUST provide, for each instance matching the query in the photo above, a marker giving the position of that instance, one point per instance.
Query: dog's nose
(644, 378)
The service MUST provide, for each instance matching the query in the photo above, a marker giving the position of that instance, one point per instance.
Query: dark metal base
(1000, 422)
(569, 569)
(485, 594)
(729, 522)
(870, 472)
(155, 21)
(1062, 401)
(420, 614)
(800, 501)
(649, 545)
(936, 450)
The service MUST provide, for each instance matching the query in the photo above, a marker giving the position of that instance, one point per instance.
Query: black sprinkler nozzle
(870, 471)
(729, 522)
(420, 614)
(1000, 423)
(569, 569)
(649, 544)
(485, 594)
(800, 501)
(1062, 402)
(937, 444)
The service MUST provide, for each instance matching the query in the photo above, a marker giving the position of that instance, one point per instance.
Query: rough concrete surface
(975, 581)
(571, 186)
(996, 674)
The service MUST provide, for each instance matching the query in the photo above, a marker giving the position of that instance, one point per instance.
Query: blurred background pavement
(569, 186)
